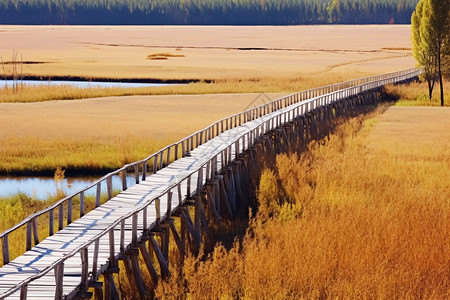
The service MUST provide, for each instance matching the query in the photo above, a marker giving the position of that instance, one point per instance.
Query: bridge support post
(148, 263)
(111, 292)
(229, 184)
(187, 221)
(137, 275)
(211, 201)
(160, 257)
(223, 196)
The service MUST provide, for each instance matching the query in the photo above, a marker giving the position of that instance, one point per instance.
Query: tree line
(206, 12)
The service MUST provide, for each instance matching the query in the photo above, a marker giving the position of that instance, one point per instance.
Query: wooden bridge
(205, 171)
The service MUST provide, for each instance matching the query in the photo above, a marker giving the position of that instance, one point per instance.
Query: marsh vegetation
(361, 214)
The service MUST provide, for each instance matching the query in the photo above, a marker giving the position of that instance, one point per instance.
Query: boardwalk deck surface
(81, 230)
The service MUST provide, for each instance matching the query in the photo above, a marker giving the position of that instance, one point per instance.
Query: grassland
(30, 94)
(223, 59)
(210, 52)
(230, 59)
(361, 215)
(416, 94)
(94, 136)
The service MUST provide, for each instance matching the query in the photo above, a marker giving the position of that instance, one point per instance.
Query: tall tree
(423, 55)
(439, 28)
(434, 31)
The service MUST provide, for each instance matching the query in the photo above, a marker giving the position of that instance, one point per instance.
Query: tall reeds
(350, 218)
(15, 72)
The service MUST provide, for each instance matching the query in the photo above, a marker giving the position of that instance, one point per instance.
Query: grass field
(224, 59)
(416, 94)
(208, 52)
(103, 134)
(362, 215)
(93, 136)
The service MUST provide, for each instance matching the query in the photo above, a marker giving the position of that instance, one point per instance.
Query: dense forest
(207, 12)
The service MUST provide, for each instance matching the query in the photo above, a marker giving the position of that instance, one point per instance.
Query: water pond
(83, 84)
(42, 188)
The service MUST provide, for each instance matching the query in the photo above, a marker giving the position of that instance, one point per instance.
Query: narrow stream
(81, 84)
(42, 188)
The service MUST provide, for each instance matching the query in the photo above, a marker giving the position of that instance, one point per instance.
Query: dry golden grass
(99, 135)
(211, 52)
(244, 85)
(416, 93)
(363, 215)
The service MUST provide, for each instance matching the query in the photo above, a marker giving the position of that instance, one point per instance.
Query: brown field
(105, 133)
(102, 134)
(215, 52)
(362, 215)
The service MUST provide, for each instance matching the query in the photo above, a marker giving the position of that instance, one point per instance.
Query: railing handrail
(46, 270)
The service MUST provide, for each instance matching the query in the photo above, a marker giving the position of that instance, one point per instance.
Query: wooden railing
(272, 115)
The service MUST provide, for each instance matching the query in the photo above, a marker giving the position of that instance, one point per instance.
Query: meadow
(362, 214)
(416, 94)
(208, 52)
(94, 136)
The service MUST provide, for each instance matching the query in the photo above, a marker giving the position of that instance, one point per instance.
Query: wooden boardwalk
(70, 260)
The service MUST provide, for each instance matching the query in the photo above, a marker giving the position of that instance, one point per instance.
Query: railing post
(158, 208)
(136, 173)
(112, 253)
(84, 270)
(59, 276)
(168, 157)
(35, 231)
(51, 222)
(144, 218)
(69, 210)
(188, 190)
(124, 180)
(98, 194)
(5, 249)
(144, 170)
(60, 217)
(82, 207)
(122, 235)
(161, 160)
(155, 162)
(109, 186)
(134, 220)
(23, 292)
(95, 258)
